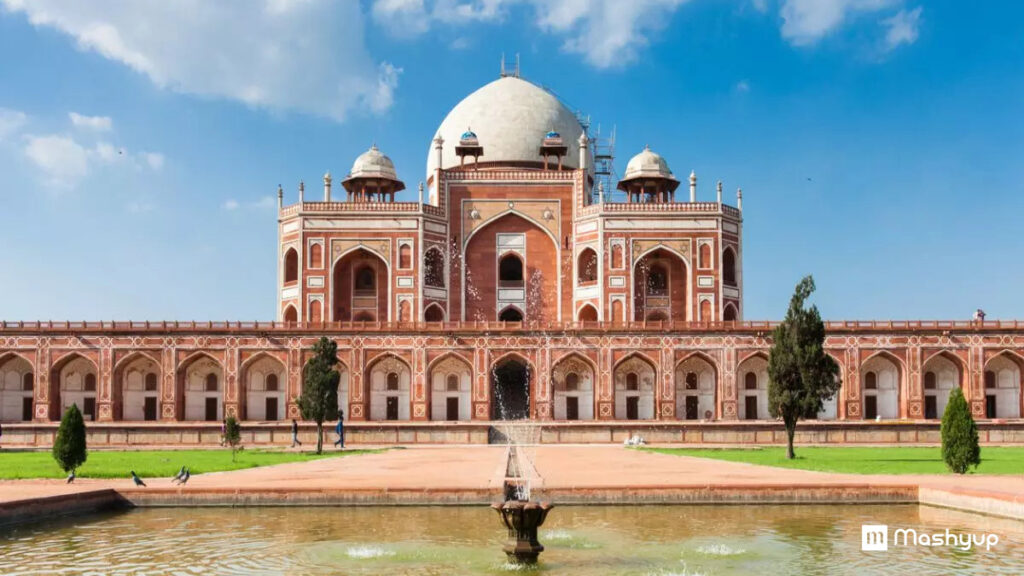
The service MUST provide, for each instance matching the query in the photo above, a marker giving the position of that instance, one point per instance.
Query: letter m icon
(874, 537)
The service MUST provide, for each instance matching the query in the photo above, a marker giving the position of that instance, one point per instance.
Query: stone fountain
(521, 516)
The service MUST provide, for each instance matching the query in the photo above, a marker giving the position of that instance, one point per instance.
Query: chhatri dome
(647, 164)
(510, 118)
(373, 164)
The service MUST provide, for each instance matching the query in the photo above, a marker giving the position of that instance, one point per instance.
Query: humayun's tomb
(517, 286)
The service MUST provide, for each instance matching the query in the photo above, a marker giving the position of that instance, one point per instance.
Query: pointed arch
(729, 276)
(131, 398)
(511, 313)
(512, 387)
(262, 387)
(729, 313)
(661, 285)
(882, 385)
(586, 267)
(350, 302)
(434, 313)
(752, 386)
(290, 314)
(389, 382)
(449, 386)
(587, 313)
(696, 385)
(291, 266)
(433, 268)
(200, 383)
(1003, 385)
(17, 387)
(635, 380)
(69, 387)
(573, 383)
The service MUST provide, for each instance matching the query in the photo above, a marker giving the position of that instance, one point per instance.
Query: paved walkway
(480, 469)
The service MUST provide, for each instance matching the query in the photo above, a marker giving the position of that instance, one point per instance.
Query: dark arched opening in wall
(587, 313)
(660, 287)
(290, 315)
(433, 268)
(729, 267)
(433, 313)
(511, 314)
(511, 390)
(729, 313)
(586, 267)
(291, 265)
(360, 283)
(510, 271)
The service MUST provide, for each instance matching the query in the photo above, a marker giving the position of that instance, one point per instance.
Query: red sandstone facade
(517, 285)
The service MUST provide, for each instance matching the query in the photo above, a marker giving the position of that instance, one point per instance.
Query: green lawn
(152, 463)
(858, 460)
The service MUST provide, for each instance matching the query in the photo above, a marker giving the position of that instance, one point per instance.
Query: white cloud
(760, 5)
(902, 28)
(11, 122)
(402, 18)
(607, 33)
(807, 21)
(154, 160)
(62, 161)
(305, 55)
(262, 203)
(98, 123)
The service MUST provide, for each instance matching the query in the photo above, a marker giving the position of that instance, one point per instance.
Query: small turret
(693, 185)
(327, 187)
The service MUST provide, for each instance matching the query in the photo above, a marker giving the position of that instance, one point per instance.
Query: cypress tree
(232, 435)
(960, 447)
(69, 448)
(319, 399)
(801, 376)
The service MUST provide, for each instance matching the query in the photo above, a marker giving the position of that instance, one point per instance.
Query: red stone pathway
(480, 470)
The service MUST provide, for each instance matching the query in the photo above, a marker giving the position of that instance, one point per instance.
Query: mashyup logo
(875, 538)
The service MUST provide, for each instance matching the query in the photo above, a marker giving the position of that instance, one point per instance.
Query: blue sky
(878, 142)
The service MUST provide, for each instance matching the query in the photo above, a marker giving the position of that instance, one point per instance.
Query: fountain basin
(522, 519)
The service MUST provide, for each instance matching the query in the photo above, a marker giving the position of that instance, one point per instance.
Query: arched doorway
(360, 287)
(264, 384)
(390, 380)
(510, 385)
(634, 389)
(587, 313)
(17, 384)
(752, 382)
(696, 384)
(511, 314)
(1003, 386)
(880, 387)
(941, 376)
(660, 287)
(76, 383)
(572, 379)
(137, 388)
(450, 382)
(201, 384)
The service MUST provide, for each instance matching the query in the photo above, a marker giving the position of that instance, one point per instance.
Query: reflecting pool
(591, 540)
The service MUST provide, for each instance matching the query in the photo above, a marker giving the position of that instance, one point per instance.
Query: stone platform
(474, 475)
(757, 432)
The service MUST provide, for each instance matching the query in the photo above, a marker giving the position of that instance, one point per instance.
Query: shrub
(233, 435)
(69, 448)
(960, 448)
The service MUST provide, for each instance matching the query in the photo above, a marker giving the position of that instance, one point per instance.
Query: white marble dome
(373, 164)
(647, 164)
(510, 118)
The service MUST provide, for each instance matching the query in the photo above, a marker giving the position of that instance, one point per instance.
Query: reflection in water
(590, 540)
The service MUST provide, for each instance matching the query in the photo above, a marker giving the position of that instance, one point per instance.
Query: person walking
(223, 431)
(295, 434)
(339, 429)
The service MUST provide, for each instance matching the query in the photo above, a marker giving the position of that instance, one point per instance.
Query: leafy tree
(960, 448)
(69, 447)
(319, 399)
(801, 376)
(233, 435)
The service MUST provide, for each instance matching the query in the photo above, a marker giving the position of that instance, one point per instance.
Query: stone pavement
(465, 474)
